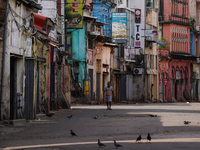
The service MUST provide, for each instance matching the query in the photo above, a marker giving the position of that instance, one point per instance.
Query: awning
(111, 45)
(39, 21)
(160, 43)
(42, 23)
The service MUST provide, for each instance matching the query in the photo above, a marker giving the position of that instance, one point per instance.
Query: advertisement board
(119, 25)
(74, 14)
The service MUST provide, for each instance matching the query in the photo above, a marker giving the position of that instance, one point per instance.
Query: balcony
(174, 19)
(163, 53)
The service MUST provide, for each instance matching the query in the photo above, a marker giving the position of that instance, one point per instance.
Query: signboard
(129, 53)
(137, 28)
(59, 24)
(115, 63)
(90, 57)
(15, 35)
(119, 24)
(86, 87)
(151, 32)
(74, 14)
(28, 47)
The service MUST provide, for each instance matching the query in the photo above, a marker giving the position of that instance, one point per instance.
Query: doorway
(13, 88)
(98, 81)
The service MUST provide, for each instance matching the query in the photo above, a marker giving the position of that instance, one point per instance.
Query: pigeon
(139, 138)
(117, 145)
(153, 115)
(187, 122)
(49, 114)
(72, 133)
(100, 144)
(69, 117)
(95, 117)
(148, 137)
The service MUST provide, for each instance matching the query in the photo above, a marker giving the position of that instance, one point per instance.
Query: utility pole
(3, 61)
(65, 21)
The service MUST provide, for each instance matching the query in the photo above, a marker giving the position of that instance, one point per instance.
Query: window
(90, 44)
(149, 3)
(127, 3)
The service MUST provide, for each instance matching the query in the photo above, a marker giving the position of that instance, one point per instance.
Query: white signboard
(28, 47)
(151, 32)
(15, 35)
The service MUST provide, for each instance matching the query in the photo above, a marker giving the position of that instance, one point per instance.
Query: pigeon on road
(148, 137)
(95, 117)
(72, 133)
(117, 145)
(69, 116)
(49, 114)
(100, 144)
(187, 122)
(153, 115)
(139, 138)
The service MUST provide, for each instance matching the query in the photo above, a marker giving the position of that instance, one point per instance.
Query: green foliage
(192, 21)
(166, 43)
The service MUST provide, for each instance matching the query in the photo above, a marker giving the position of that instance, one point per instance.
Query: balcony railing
(174, 19)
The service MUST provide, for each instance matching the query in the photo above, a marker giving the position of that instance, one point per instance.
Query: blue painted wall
(103, 13)
(192, 43)
(78, 51)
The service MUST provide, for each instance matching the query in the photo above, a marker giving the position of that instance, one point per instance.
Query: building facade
(175, 58)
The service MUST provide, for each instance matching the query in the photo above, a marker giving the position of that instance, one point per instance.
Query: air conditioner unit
(137, 71)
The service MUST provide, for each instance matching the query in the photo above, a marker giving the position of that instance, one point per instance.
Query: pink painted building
(175, 59)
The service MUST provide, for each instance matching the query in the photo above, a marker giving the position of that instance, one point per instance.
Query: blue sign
(119, 25)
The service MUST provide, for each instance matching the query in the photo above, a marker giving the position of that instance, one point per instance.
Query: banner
(119, 24)
(59, 24)
(74, 14)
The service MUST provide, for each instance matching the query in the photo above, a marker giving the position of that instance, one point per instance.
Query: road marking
(193, 140)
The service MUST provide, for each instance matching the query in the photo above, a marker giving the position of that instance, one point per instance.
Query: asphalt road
(124, 123)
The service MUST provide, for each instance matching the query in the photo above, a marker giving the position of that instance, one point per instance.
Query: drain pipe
(3, 61)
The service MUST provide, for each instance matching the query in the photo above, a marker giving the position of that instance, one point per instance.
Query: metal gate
(91, 84)
(29, 88)
(129, 87)
(98, 87)
(122, 87)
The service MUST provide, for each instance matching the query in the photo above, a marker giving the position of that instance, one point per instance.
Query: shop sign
(137, 28)
(74, 14)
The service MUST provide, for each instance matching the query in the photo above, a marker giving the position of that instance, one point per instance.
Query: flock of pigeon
(115, 143)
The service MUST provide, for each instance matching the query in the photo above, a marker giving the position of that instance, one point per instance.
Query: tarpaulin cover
(39, 21)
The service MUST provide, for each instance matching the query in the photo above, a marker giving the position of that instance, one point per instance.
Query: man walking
(109, 94)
